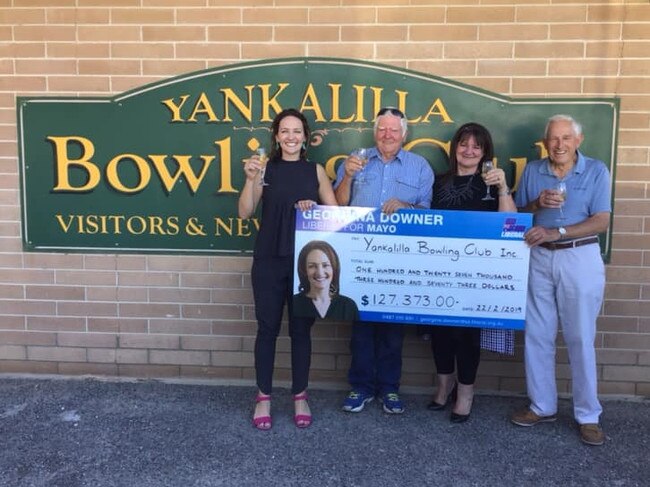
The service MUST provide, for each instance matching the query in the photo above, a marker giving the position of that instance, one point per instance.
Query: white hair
(402, 120)
(575, 125)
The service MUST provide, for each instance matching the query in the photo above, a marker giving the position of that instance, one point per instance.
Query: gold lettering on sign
(336, 102)
(119, 224)
(239, 227)
(437, 109)
(414, 143)
(331, 106)
(270, 101)
(184, 171)
(113, 176)
(204, 107)
(246, 109)
(310, 103)
(176, 108)
(63, 163)
(520, 164)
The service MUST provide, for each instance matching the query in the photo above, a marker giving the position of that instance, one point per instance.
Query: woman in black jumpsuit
(292, 183)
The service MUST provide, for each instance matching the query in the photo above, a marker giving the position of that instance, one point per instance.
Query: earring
(277, 144)
(304, 146)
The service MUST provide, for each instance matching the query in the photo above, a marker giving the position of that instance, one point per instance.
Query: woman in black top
(291, 182)
(463, 188)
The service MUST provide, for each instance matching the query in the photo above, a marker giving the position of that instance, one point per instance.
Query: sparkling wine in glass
(561, 189)
(487, 167)
(264, 158)
(362, 155)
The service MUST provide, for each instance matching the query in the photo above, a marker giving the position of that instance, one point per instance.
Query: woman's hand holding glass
(255, 165)
(486, 168)
(496, 177)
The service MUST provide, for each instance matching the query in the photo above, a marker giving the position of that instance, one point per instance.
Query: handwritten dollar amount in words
(413, 300)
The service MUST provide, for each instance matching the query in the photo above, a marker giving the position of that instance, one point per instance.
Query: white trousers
(564, 286)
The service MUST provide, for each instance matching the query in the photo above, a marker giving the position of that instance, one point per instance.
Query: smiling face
(471, 144)
(290, 136)
(319, 271)
(389, 135)
(469, 154)
(562, 142)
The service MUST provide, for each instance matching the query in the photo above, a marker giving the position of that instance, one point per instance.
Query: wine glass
(561, 189)
(362, 155)
(487, 167)
(261, 152)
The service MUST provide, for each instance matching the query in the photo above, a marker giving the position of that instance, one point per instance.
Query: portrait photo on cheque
(319, 270)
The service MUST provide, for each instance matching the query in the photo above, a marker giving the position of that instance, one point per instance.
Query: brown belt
(569, 244)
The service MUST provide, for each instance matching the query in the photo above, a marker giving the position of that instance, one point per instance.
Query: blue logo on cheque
(512, 229)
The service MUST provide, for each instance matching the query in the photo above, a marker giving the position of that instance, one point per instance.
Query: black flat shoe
(458, 418)
(436, 406)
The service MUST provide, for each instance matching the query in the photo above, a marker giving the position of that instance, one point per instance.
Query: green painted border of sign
(22, 102)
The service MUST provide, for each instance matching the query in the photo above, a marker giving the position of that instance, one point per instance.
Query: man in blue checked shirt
(393, 178)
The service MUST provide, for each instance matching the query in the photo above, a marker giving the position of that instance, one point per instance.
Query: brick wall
(192, 317)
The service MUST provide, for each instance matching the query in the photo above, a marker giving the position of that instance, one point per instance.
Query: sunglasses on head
(392, 110)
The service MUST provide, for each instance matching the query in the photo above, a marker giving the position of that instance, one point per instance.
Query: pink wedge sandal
(302, 420)
(263, 422)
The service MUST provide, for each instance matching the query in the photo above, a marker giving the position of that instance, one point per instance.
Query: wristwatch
(562, 231)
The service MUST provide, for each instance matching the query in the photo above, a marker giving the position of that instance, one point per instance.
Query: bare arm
(252, 191)
(325, 191)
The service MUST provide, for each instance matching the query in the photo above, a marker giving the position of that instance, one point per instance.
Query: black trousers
(272, 279)
(456, 347)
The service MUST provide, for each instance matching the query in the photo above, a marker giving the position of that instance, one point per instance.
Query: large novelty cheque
(425, 267)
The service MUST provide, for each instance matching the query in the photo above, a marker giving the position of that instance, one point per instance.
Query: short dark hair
(275, 128)
(331, 254)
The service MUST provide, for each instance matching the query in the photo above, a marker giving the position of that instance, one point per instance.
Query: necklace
(457, 190)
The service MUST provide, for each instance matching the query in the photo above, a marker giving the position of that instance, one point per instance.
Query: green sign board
(158, 168)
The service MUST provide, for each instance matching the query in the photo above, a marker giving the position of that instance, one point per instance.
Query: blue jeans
(376, 365)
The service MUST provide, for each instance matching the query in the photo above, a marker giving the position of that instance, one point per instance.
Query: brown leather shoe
(527, 417)
(592, 434)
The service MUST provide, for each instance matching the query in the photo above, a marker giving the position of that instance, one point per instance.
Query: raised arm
(343, 191)
(252, 191)
(497, 177)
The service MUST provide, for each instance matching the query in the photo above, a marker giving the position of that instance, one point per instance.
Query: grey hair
(575, 125)
(403, 122)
